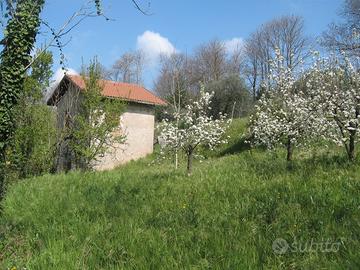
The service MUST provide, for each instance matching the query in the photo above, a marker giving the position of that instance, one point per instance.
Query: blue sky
(174, 25)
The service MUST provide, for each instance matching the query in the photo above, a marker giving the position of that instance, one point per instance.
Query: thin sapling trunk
(190, 157)
(289, 149)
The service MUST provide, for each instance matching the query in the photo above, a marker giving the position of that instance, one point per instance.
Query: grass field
(225, 216)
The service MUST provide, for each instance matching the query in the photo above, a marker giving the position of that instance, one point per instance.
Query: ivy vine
(19, 39)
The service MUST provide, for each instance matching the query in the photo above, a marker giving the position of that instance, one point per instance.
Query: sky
(172, 26)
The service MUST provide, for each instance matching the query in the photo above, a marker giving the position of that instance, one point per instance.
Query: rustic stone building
(137, 122)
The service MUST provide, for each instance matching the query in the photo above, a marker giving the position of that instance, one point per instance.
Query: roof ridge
(111, 81)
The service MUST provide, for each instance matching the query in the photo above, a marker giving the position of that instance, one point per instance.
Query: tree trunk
(21, 29)
(351, 151)
(176, 159)
(254, 90)
(289, 148)
(189, 161)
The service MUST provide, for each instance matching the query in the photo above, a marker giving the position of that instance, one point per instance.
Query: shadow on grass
(238, 147)
(329, 162)
(241, 145)
(270, 165)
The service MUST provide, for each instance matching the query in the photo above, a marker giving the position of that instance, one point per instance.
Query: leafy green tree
(20, 35)
(31, 149)
(231, 97)
(19, 38)
(96, 127)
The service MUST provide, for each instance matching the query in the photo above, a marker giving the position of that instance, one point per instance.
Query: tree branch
(137, 6)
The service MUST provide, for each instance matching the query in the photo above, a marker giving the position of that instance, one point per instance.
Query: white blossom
(283, 114)
(193, 127)
(335, 90)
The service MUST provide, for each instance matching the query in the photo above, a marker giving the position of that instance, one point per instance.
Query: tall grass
(225, 216)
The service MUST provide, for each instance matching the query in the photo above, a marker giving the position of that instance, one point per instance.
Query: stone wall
(137, 123)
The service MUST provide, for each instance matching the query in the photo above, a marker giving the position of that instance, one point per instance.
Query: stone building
(137, 122)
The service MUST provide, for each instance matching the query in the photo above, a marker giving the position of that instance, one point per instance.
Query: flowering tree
(283, 114)
(193, 129)
(334, 85)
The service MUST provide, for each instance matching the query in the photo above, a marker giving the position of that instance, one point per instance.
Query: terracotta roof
(125, 91)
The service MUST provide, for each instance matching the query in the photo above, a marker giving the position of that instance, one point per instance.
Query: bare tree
(173, 82)
(173, 85)
(284, 33)
(252, 65)
(210, 59)
(345, 36)
(181, 76)
(129, 68)
(236, 60)
(292, 40)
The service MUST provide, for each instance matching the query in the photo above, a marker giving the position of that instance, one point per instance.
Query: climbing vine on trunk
(20, 37)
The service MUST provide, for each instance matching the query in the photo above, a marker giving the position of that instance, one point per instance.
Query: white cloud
(234, 44)
(56, 79)
(154, 45)
(60, 73)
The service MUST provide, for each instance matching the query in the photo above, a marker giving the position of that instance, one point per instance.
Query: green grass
(225, 216)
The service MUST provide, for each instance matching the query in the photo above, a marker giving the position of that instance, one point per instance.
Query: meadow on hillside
(234, 212)
(203, 135)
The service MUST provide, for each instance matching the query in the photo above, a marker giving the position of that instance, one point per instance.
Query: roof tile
(125, 91)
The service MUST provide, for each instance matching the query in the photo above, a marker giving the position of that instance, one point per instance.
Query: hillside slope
(226, 216)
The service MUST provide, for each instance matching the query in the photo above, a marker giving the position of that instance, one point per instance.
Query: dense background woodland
(256, 143)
